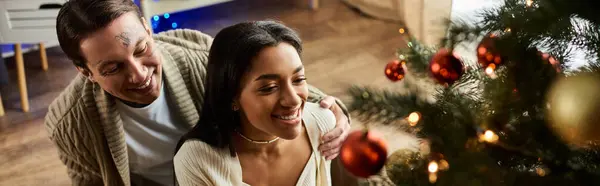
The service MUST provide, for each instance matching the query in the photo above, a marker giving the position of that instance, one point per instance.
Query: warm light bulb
(489, 136)
(444, 165)
(414, 118)
(540, 171)
(529, 3)
(433, 167)
(401, 30)
(489, 70)
(432, 177)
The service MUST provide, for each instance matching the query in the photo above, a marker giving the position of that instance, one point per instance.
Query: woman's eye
(268, 89)
(300, 80)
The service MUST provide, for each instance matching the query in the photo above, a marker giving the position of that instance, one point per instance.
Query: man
(119, 120)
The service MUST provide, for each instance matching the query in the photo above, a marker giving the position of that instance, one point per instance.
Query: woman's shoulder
(192, 148)
(322, 117)
(198, 163)
(195, 155)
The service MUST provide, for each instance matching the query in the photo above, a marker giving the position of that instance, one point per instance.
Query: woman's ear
(235, 106)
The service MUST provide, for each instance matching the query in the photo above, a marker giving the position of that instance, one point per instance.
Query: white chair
(1, 107)
(31, 21)
(151, 8)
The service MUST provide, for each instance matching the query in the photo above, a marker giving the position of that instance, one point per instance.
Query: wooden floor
(342, 48)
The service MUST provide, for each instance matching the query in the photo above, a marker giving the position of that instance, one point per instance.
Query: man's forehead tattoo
(124, 38)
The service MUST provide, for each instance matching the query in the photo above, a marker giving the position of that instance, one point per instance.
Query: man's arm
(70, 143)
(79, 173)
(332, 141)
(316, 96)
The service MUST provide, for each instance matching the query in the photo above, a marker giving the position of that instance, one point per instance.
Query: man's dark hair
(79, 18)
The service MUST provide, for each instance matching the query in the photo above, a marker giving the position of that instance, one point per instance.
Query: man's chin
(146, 100)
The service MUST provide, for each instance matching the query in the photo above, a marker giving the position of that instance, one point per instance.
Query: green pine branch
(511, 103)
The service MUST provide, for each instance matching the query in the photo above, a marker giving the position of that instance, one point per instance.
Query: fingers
(342, 121)
(327, 102)
(333, 134)
(332, 144)
(331, 149)
(331, 154)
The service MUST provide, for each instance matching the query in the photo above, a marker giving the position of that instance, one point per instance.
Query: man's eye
(110, 70)
(140, 51)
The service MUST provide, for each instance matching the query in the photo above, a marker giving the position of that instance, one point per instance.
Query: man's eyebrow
(140, 40)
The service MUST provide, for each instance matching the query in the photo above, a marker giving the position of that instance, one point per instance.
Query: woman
(257, 127)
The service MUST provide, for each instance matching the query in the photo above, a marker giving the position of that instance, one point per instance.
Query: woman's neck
(252, 140)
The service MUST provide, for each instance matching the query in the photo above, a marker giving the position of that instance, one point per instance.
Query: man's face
(122, 59)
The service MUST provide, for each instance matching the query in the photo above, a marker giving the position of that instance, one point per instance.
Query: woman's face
(273, 94)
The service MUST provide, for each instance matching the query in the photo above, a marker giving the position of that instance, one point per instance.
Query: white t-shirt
(151, 134)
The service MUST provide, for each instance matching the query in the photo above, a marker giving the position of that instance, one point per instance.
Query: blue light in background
(172, 20)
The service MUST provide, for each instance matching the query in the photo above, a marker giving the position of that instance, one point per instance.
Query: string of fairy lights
(485, 52)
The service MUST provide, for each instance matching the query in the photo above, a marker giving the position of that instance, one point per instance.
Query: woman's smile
(289, 118)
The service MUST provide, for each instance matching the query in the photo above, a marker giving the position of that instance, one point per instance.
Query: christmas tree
(518, 115)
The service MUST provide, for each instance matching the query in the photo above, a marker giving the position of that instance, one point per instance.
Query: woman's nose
(290, 97)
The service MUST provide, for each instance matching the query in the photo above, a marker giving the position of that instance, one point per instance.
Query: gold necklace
(254, 141)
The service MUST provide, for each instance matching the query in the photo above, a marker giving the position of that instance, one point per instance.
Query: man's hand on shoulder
(331, 142)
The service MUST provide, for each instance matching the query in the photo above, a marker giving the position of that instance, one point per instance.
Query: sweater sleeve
(192, 47)
(315, 96)
(71, 149)
(324, 118)
(198, 164)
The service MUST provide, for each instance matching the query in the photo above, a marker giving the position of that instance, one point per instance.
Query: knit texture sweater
(84, 124)
(197, 163)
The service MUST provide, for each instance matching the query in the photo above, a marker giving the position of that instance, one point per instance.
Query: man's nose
(137, 72)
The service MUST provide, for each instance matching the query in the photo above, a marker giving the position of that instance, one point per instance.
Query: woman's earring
(234, 107)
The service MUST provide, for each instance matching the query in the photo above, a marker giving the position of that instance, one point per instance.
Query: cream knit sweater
(199, 164)
(87, 130)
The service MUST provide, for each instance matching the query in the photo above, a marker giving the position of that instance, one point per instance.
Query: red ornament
(394, 70)
(445, 67)
(487, 54)
(363, 153)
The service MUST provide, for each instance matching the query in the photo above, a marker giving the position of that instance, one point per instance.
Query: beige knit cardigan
(200, 164)
(88, 132)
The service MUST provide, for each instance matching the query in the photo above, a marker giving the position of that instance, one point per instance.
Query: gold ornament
(573, 109)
